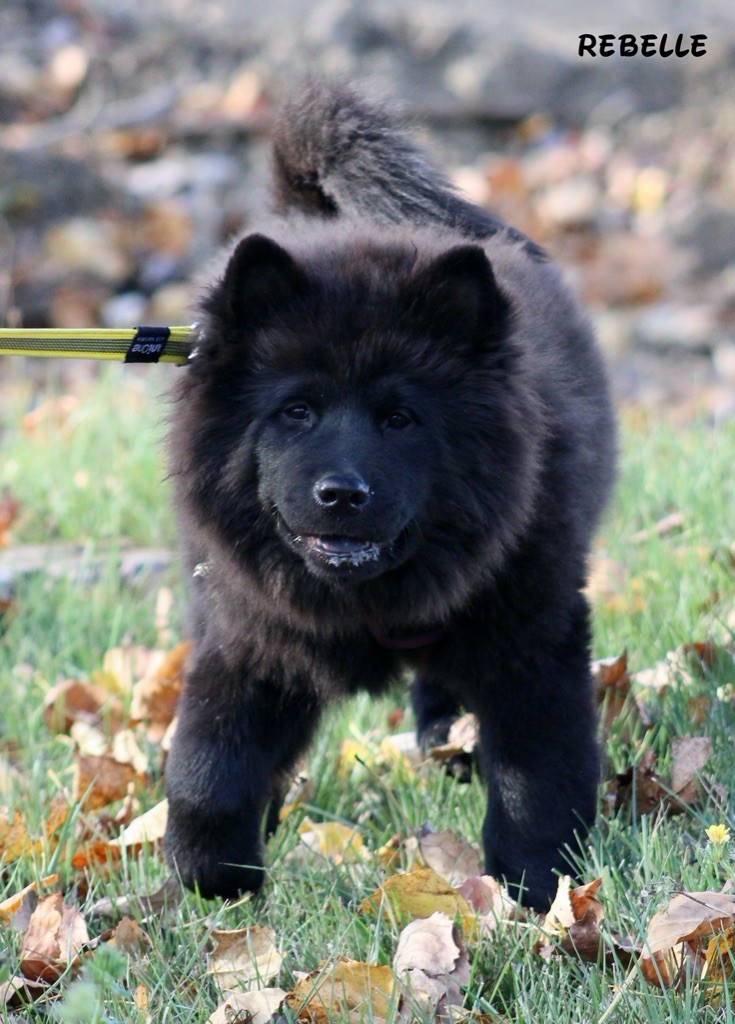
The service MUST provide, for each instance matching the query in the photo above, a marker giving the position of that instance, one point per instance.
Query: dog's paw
(212, 855)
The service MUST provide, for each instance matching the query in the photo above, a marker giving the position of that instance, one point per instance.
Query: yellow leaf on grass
(16, 841)
(244, 958)
(719, 968)
(401, 748)
(12, 904)
(351, 751)
(346, 990)
(141, 1000)
(396, 749)
(330, 839)
(14, 838)
(420, 893)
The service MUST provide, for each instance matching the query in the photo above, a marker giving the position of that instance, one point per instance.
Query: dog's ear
(456, 299)
(261, 278)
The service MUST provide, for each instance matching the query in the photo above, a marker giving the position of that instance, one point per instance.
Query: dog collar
(405, 643)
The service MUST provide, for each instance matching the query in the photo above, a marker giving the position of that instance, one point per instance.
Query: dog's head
(338, 413)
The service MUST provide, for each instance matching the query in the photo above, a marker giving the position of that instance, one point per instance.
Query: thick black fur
(396, 423)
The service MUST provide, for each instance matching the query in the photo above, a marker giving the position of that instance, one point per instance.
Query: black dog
(392, 446)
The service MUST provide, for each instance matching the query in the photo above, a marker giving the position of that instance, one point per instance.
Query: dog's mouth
(337, 550)
(340, 556)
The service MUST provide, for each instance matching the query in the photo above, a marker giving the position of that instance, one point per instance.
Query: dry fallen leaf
(146, 829)
(689, 916)
(584, 938)
(463, 738)
(449, 855)
(89, 741)
(665, 527)
(12, 908)
(574, 918)
(99, 780)
(130, 938)
(584, 898)
(248, 1007)
(141, 1000)
(639, 785)
(244, 958)
(122, 666)
(53, 413)
(55, 935)
(560, 915)
(689, 754)
(612, 687)
(398, 850)
(431, 964)
(156, 695)
(346, 990)
(9, 511)
(490, 900)
(157, 904)
(126, 750)
(18, 992)
(74, 700)
(674, 942)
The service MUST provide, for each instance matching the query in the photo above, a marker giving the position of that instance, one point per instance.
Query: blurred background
(133, 142)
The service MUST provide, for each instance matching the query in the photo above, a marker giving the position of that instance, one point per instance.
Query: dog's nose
(342, 492)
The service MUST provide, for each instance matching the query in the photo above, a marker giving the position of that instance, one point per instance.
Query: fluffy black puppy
(392, 447)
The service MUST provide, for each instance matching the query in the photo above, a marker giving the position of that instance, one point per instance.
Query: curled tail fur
(336, 153)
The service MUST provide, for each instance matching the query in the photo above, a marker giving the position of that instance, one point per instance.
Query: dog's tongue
(342, 545)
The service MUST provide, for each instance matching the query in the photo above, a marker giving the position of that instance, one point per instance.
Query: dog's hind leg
(435, 710)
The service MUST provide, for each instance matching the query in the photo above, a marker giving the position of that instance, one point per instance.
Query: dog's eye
(398, 420)
(298, 412)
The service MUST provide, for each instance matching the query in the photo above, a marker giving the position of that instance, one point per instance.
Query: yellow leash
(129, 344)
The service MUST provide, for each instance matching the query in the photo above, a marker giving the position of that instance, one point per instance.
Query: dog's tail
(336, 153)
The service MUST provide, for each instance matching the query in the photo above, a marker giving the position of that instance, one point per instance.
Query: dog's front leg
(540, 759)
(235, 735)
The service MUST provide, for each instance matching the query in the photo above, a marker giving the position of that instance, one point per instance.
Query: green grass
(98, 480)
